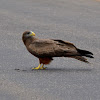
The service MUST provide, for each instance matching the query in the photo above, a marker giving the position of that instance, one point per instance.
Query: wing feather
(51, 48)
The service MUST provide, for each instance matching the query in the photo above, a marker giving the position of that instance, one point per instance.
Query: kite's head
(27, 35)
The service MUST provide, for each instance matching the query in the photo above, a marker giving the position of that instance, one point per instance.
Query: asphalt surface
(77, 21)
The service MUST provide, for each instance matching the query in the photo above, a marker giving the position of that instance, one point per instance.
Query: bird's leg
(37, 67)
(42, 67)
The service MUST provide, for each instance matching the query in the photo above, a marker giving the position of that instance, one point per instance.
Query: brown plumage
(46, 49)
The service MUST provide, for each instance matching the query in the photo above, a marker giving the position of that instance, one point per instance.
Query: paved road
(77, 21)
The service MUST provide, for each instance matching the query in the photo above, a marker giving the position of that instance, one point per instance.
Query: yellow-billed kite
(46, 49)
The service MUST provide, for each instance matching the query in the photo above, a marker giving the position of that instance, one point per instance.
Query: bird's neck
(28, 41)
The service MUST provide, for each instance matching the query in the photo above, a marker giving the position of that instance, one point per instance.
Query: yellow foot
(39, 67)
(42, 67)
(35, 68)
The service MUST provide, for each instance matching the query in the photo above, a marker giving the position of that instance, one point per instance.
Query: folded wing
(52, 48)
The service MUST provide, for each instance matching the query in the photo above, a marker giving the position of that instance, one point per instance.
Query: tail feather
(80, 58)
(89, 56)
(85, 53)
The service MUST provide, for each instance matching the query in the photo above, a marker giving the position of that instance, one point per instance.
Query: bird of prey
(46, 49)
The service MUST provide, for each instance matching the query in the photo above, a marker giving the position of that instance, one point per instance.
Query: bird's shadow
(29, 70)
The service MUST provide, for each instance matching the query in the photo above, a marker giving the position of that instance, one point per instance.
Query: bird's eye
(28, 33)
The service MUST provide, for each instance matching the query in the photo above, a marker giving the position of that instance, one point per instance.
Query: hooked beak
(32, 33)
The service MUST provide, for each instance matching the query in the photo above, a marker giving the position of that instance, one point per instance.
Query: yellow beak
(32, 34)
